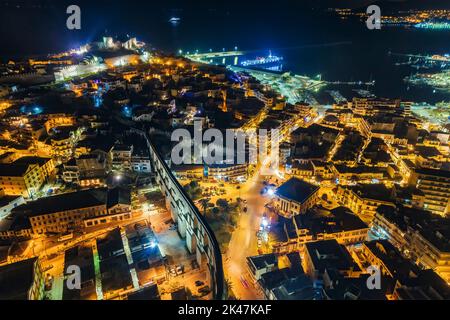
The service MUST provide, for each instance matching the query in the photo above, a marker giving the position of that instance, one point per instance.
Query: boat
(262, 60)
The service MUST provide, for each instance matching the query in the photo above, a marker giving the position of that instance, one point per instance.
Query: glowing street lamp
(264, 222)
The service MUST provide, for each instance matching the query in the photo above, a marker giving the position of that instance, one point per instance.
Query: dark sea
(311, 41)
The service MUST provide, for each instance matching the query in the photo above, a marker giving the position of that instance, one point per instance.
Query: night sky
(36, 27)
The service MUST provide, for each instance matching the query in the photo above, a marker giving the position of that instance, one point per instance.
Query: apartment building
(21, 179)
(364, 199)
(435, 184)
(23, 280)
(420, 235)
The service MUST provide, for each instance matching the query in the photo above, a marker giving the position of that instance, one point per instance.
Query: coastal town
(87, 180)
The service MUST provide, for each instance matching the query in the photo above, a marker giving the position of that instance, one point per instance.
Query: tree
(193, 184)
(193, 190)
(204, 203)
(222, 203)
(228, 289)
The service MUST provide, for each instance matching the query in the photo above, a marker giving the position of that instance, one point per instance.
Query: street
(243, 241)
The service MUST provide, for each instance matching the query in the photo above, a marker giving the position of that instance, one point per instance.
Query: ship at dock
(270, 62)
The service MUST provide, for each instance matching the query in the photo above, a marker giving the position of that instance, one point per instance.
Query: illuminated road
(243, 241)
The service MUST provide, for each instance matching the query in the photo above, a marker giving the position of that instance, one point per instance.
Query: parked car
(204, 290)
(180, 270)
(199, 283)
(48, 268)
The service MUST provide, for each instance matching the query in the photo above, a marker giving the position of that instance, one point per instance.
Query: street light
(264, 222)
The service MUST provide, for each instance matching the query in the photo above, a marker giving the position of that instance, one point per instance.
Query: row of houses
(67, 212)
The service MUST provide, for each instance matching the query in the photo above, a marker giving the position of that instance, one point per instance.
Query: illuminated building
(4, 105)
(108, 42)
(23, 280)
(435, 184)
(322, 169)
(61, 145)
(367, 107)
(315, 225)
(339, 224)
(121, 156)
(426, 286)
(63, 141)
(188, 171)
(68, 72)
(392, 265)
(69, 211)
(403, 278)
(364, 199)
(285, 152)
(21, 179)
(321, 256)
(226, 172)
(358, 173)
(281, 277)
(301, 169)
(70, 172)
(34, 62)
(140, 164)
(7, 203)
(63, 212)
(295, 197)
(46, 165)
(58, 120)
(313, 142)
(258, 265)
(418, 235)
(88, 170)
(122, 61)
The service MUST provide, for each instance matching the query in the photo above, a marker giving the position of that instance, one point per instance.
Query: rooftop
(398, 266)
(298, 288)
(64, 202)
(32, 160)
(434, 172)
(296, 190)
(13, 170)
(322, 221)
(433, 228)
(5, 200)
(117, 196)
(329, 254)
(263, 261)
(16, 279)
(372, 191)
